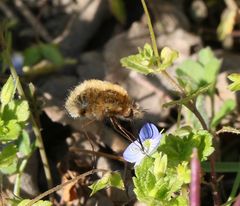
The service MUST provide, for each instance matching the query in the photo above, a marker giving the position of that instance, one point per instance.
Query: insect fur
(96, 99)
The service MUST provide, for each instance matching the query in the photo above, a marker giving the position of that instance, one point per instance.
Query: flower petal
(155, 143)
(133, 153)
(148, 131)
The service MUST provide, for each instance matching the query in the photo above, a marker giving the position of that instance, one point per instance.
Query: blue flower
(150, 139)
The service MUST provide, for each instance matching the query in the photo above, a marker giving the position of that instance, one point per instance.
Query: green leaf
(52, 53)
(32, 55)
(235, 78)
(167, 57)
(8, 156)
(24, 144)
(16, 109)
(116, 180)
(38, 203)
(179, 148)
(10, 130)
(142, 62)
(205, 56)
(195, 74)
(22, 111)
(118, 10)
(145, 62)
(113, 179)
(8, 91)
(184, 173)
(228, 106)
(160, 165)
(11, 169)
(35, 54)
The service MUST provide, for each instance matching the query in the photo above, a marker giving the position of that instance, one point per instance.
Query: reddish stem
(195, 180)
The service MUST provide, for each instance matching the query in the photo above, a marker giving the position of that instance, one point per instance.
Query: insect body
(99, 99)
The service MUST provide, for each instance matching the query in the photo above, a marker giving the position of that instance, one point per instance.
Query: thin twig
(59, 187)
(7, 11)
(66, 30)
(98, 154)
(37, 26)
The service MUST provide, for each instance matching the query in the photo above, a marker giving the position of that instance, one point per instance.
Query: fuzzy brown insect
(96, 99)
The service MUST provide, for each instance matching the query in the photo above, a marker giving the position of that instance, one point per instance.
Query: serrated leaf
(149, 182)
(118, 10)
(22, 111)
(142, 169)
(38, 203)
(228, 106)
(24, 144)
(10, 130)
(113, 179)
(8, 91)
(179, 149)
(235, 78)
(52, 53)
(8, 156)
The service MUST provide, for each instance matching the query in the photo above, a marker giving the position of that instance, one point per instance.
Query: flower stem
(36, 131)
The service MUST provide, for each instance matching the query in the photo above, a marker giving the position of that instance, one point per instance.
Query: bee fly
(96, 99)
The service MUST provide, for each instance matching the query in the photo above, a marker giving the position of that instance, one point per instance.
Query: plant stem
(150, 27)
(214, 184)
(155, 49)
(17, 184)
(235, 187)
(191, 105)
(177, 87)
(36, 131)
(195, 179)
